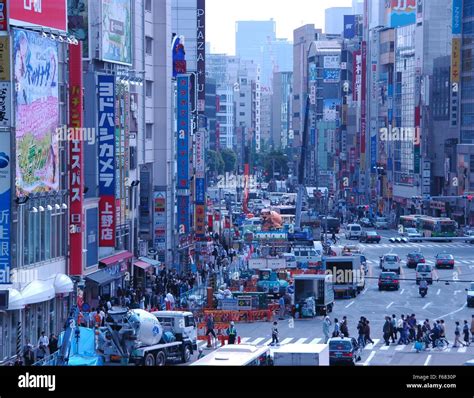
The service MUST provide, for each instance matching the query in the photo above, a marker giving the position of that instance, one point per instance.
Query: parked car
(381, 223)
(370, 237)
(344, 350)
(353, 231)
(470, 295)
(424, 271)
(413, 235)
(388, 281)
(350, 250)
(413, 259)
(390, 263)
(469, 234)
(366, 223)
(444, 260)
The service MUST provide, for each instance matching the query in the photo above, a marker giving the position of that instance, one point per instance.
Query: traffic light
(469, 198)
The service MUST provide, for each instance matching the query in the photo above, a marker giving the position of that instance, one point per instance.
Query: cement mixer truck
(149, 339)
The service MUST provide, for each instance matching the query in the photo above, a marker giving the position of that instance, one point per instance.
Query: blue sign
(200, 191)
(457, 17)
(332, 75)
(183, 106)
(92, 229)
(349, 26)
(106, 124)
(184, 215)
(373, 153)
(5, 211)
(179, 57)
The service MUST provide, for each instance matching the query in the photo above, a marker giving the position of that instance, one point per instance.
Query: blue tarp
(82, 352)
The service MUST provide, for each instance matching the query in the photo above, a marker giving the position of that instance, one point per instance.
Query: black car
(389, 280)
(369, 237)
(444, 260)
(413, 259)
(344, 351)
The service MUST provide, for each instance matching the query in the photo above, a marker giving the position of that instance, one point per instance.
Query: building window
(148, 45)
(149, 88)
(148, 5)
(242, 104)
(242, 113)
(242, 95)
(149, 131)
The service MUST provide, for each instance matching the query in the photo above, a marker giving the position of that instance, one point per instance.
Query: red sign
(3, 15)
(107, 221)
(363, 120)
(76, 165)
(200, 220)
(50, 14)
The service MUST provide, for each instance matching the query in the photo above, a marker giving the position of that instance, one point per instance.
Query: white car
(469, 234)
(353, 231)
(381, 223)
(413, 235)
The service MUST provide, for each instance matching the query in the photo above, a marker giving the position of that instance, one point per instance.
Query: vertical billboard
(5, 104)
(183, 107)
(357, 71)
(349, 26)
(201, 55)
(400, 12)
(456, 60)
(5, 58)
(116, 33)
(106, 166)
(50, 14)
(457, 17)
(159, 222)
(78, 23)
(92, 244)
(417, 144)
(331, 110)
(76, 161)
(3, 15)
(37, 112)
(363, 117)
(183, 214)
(5, 210)
(179, 56)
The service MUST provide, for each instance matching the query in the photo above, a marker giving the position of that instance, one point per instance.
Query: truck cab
(181, 324)
(269, 282)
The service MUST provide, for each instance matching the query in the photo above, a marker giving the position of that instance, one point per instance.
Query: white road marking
(452, 313)
(302, 340)
(267, 342)
(244, 340)
(457, 291)
(403, 290)
(351, 303)
(462, 350)
(287, 340)
(371, 356)
(427, 360)
(316, 340)
(427, 305)
(438, 292)
(369, 347)
(401, 347)
(388, 306)
(258, 340)
(385, 348)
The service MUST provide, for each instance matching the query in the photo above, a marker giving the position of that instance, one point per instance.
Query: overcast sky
(221, 16)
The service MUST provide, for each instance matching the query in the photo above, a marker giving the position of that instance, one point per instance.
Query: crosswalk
(420, 246)
(378, 345)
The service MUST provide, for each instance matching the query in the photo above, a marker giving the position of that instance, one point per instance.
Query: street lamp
(134, 185)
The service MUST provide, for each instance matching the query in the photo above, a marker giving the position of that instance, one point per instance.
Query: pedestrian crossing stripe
(301, 341)
(385, 348)
(258, 340)
(287, 340)
(316, 340)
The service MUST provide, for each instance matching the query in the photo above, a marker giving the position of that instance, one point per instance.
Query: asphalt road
(445, 300)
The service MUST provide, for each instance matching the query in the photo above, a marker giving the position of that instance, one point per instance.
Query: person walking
(387, 330)
(275, 340)
(232, 332)
(281, 303)
(344, 327)
(465, 331)
(394, 328)
(400, 328)
(472, 329)
(457, 336)
(28, 354)
(361, 332)
(210, 330)
(337, 328)
(367, 338)
(326, 329)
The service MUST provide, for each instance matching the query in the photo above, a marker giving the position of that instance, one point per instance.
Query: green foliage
(230, 160)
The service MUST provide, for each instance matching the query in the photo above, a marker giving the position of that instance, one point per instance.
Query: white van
(353, 231)
(290, 260)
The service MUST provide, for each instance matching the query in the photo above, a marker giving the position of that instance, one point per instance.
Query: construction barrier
(240, 316)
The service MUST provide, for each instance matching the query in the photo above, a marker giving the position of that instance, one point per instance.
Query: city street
(445, 300)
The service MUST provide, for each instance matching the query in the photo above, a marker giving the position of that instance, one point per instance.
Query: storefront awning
(62, 284)
(116, 258)
(147, 260)
(103, 277)
(15, 300)
(38, 292)
(141, 264)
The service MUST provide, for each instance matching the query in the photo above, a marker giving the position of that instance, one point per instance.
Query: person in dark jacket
(210, 329)
(344, 327)
(28, 354)
(367, 337)
(53, 343)
(361, 332)
(387, 330)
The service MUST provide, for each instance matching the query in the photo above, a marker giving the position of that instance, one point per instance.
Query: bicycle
(441, 343)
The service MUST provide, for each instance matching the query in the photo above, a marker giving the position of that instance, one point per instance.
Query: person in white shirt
(43, 339)
(102, 317)
(170, 300)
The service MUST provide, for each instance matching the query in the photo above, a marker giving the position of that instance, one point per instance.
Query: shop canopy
(116, 258)
(143, 265)
(103, 277)
(62, 284)
(38, 292)
(15, 300)
(147, 260)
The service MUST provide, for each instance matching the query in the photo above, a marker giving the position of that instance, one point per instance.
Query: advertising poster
(201, 55)
(349, 26)
(456, 61)
(5, 210)
(356, 90)
(457, 17)
(401, 12)
(78, 23)
(92, 226)
(3, 14)
(159, 220)
(76, 161)
(332, 75)
(183, 215)
(4, 58)
(330, 110)
(179, 56)
(106, 166)
(5, 104)
(116, 31)
(37, 112)
(183, 106)
(332, 62)
(50, 14)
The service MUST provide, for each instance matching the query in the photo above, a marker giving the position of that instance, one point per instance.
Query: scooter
(423, 291)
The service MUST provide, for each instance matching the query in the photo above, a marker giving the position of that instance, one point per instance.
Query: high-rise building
(282, 100)
(335, 19)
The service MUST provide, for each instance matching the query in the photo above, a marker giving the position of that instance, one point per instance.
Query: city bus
(409, 221)
(433, 227)
(236, 355)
